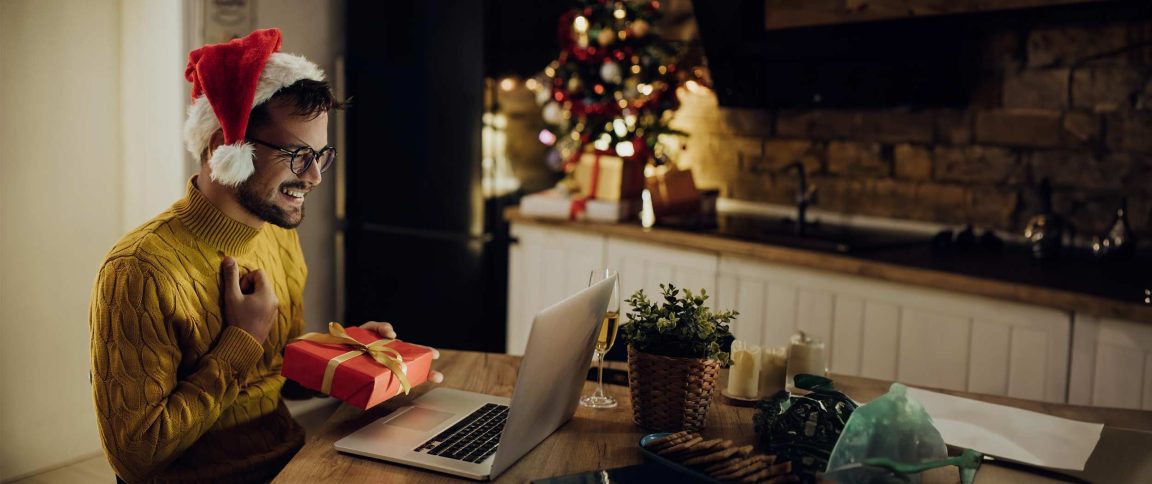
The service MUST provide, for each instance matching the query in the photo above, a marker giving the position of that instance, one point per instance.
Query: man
(191, 311)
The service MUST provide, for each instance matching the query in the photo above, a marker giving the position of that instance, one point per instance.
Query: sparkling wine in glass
(605, 340)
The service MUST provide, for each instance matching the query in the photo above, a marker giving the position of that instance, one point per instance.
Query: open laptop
(479, 436)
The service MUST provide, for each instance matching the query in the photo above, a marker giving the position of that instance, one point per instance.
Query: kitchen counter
(1076, 283)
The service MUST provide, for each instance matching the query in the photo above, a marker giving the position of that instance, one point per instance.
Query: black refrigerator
(423, 248)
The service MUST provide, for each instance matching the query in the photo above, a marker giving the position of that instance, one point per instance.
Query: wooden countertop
(846, 264)
(601, 439)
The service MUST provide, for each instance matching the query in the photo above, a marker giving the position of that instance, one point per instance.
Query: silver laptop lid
(552, 372)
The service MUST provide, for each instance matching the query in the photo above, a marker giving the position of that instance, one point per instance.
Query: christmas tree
(613, 85)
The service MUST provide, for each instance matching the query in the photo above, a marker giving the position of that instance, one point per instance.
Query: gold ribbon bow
(378, 350)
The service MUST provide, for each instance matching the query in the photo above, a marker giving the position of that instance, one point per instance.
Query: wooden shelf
(787, 14)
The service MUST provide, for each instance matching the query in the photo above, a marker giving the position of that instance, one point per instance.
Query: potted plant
(675, 350)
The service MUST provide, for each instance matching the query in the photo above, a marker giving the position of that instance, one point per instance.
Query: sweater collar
(211, 225)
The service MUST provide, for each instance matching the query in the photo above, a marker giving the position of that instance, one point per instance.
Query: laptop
(478, 436)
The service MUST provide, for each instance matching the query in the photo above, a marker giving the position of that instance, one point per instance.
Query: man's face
(274, 193)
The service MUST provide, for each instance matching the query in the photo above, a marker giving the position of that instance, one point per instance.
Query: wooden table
(599, 439)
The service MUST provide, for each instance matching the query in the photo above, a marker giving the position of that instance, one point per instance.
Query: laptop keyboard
(473, 438)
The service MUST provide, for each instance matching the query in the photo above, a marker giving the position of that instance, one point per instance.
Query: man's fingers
(230, 276)
(385, 330)
(436, 377)
(257, 278)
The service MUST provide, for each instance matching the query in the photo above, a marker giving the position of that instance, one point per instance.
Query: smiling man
(191, 311)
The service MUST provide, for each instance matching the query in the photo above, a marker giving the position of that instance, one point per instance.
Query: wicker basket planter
(670, 393)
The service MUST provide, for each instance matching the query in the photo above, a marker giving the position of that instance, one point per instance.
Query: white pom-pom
(232, 164)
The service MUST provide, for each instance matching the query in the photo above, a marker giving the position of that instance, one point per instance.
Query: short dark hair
(310, 98)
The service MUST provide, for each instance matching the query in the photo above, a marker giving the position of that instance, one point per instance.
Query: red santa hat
(228, 80)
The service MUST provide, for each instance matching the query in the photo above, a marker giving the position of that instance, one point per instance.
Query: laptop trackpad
(419, 418)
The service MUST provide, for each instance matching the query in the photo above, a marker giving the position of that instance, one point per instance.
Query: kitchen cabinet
(1111, 363)
(545, 266)
(891, 331)
(646, 266)
(873, 328)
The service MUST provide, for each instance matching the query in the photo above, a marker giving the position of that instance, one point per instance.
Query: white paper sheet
(1010, 433)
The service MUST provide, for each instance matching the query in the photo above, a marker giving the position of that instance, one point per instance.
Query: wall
(315, 30)
(71, 186)
(1067, 97)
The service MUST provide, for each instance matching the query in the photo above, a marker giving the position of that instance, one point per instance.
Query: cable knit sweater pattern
(180, 395)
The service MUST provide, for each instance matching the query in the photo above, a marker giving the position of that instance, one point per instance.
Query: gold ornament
(640, 27)
(575, 84)
(606, 37)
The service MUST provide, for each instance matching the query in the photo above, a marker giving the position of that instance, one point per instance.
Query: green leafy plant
(680, 326)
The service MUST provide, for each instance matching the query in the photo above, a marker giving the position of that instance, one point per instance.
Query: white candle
(773, 368)
(805, 355)
(744, 375)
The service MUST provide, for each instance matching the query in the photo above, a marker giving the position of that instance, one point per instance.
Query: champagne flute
(605, 340)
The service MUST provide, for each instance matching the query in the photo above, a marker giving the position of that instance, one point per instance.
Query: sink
(817, 236)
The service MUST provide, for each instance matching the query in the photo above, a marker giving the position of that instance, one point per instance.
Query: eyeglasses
(301, 159)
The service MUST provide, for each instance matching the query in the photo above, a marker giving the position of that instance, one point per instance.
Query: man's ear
(214, 142)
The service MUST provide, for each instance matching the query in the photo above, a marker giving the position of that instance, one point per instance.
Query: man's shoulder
(148, 243)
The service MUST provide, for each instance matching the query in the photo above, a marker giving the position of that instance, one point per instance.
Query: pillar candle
(805, 355)
(744, 375)
(773, 368)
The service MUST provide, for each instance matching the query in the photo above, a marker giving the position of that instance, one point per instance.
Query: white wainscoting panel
(646, 266)
(546, 265)
(898, 332)
(1111, 363)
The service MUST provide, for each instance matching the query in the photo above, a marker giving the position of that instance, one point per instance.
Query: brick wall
(1065, 98)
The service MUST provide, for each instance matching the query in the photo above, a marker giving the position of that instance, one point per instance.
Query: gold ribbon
(378, 350)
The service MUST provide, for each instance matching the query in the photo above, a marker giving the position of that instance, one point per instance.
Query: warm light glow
(663, 70)
(580, 24)
(549, 71)
(625, 149)
(507, 84)
(647, 214)
(547, 137)
(693, 86)
(636, 69)
(620, 13)
(630, 119)
(598, 89)
(531, 84)
(619, 127)
(603, 143)
(644, 89)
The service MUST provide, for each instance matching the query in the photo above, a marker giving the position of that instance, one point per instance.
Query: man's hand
(385, 331)
(249, 302)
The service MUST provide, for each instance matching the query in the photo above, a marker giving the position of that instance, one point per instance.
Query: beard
(250, 198)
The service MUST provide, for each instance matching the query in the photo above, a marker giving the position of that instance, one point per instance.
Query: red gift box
(356, 379)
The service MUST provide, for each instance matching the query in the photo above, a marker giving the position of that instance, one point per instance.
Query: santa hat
(228, 80)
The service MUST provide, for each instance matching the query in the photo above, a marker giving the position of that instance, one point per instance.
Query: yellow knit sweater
(180, 394)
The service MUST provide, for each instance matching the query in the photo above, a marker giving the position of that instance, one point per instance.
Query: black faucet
(805, 195)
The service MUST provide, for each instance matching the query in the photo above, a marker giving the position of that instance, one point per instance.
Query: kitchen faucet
(805, 195)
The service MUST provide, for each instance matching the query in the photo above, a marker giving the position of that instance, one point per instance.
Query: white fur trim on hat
(232, 164)
(281, 70)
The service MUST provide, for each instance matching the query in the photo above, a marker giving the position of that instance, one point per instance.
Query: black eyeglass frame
(303, 150)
